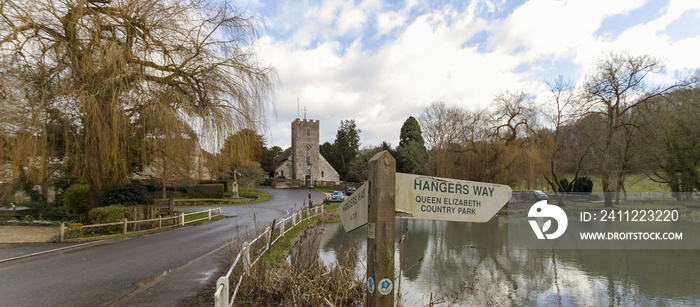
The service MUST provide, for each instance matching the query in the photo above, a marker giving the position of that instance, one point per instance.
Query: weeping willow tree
(126, 68)
(240, 149)
(171, 147)
(33, 132)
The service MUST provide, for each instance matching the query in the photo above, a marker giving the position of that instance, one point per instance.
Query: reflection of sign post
(353, 210)
(434, 198)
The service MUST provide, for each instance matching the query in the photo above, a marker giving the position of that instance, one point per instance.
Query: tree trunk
(607, 193)
(605, 177)
(104, 160)
(45, 180)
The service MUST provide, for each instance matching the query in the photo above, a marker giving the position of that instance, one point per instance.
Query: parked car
(337, 195)
(533, 195)
(349, 190)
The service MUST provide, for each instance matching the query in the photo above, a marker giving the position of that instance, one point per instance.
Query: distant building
(303, 161)
(179, 169)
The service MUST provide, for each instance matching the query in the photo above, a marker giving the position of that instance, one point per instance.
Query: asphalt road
(161, 269)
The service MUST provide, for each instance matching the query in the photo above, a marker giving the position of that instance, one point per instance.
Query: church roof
(282, 157)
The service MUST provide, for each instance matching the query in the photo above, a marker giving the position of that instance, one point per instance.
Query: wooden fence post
(246, 256)
(269, 235)
(380, 230)
(282, 228)
(125, 224)
(182, 219)
(222, 301)
(63, 232)
(160, 221)
(210, 214)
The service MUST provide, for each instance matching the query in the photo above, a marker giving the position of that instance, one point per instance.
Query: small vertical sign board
(353, 210)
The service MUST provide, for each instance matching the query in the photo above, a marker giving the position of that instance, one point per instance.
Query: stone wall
(28, 234)
(287, 183)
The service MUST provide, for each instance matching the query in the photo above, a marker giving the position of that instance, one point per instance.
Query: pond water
(470, 264)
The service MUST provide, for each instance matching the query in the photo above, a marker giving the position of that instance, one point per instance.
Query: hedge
(222, 182)
(215, 190)
(77, 199)
(109, 214)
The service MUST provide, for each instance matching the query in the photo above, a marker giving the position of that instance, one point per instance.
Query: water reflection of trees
(457, 254)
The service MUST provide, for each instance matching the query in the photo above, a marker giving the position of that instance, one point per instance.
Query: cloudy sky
(379, 62)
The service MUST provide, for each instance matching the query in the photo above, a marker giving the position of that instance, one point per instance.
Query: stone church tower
(304, 161)
(305, 148)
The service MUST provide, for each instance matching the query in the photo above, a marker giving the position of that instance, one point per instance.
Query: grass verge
(277, 255)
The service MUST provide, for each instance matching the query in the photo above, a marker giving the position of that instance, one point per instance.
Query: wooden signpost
(380, 229)
(388, 195)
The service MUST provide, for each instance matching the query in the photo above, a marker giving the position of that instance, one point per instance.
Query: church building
(303, 162)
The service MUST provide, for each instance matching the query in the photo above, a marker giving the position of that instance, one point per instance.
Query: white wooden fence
(179, 221)
(222, 296)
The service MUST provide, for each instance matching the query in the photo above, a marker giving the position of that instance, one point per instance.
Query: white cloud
(548, 28)
(426, 59)
(351, 18)
(389, 21)
(648, 38)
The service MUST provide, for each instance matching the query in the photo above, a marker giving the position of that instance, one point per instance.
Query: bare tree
(515, 126)
(514, 115)
(561, 114)
(452, 134)
(465, 144)
(109, 60)
(612, 91)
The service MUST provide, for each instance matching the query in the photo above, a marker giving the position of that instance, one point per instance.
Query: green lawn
(247, 196)
(328, 189)
(634, 183)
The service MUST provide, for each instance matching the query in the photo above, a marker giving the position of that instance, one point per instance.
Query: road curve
(161, 269)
